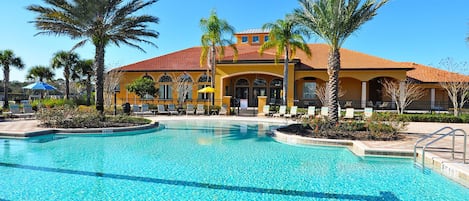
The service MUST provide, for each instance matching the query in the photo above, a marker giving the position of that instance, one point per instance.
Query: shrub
(83, 117)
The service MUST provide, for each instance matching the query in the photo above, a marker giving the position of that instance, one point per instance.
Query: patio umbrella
(206, 90)
(40, 86)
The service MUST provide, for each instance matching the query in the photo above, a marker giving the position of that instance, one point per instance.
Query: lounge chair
(324, 111)
(15, 112)
(293, 112)
(172, 109)
(161, 109)
(266, 110)
(311, 112)
(144, 111)
(349, 113)
(348, 104)
(190, 109)
(281, 111)
(223, 110)
(368, 112)
(200, 109)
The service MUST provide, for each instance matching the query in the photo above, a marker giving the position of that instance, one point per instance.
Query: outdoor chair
(368, 112)
(281, 111)
(190, 109)
(293, 112)
(383, 105)
(15, 112)
(161, 109)
(349, 113)
(143, 111)
(266, 110)
(200, 109)
(172, 109)
(348, 104)
(311, 112)
(324, 111)
(223, 110)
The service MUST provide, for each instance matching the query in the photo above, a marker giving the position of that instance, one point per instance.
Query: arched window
(204, 81)
(242, 82)
(184, 87)
(165, 82)
(148, 77)
(259, 82)
(276, 83)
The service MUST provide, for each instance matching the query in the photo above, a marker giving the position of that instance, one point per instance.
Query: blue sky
(420, 31)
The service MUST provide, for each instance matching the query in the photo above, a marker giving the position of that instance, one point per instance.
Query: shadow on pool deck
(382, 195)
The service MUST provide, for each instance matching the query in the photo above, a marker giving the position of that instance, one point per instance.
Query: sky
(420, 31)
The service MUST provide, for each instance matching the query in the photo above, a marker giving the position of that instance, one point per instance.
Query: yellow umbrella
(206, 90)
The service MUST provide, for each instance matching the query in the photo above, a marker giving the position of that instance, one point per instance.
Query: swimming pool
(206, 160)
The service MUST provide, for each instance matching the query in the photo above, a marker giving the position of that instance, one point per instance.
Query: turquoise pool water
(206, 160)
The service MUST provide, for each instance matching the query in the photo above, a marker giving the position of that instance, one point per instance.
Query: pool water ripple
(207, 160)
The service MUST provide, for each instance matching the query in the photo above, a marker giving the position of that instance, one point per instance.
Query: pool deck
(440, 162)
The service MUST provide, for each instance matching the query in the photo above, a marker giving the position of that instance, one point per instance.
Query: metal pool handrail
(426, 137)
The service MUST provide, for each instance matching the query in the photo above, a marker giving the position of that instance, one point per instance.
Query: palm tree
(84, 68)
(101, 22)
(65, 60)
(213, 44)
(334, 21)
(7, 59)
(286, 36)
(40, 73)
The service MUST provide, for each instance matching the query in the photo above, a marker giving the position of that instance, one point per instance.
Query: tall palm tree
(334, 21)
(286, 36)
(83, 72)
(66, 60)
(213, 43)
(7, 59)
(101, 22)
(40, 73)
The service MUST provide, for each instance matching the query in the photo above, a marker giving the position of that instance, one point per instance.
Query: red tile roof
(188, 59)
(429, 74)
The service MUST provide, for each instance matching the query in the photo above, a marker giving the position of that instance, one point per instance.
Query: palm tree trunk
(214, 67)
(333, 72)
(67, 81)
(99, 64)
(88, 90)
(6, 81)
(285, 76)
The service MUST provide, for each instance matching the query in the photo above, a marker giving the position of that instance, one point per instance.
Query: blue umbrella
(40, 86)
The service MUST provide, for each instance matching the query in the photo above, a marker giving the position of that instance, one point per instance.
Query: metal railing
(427, 147)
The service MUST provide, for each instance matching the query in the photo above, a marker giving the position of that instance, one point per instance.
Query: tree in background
(142, 87)
(402, 94)
(7, 59)
(213, 44)
(40, 73)
(101, 22)
(183, 87)
(321, 93)
(334, 21)
(456, 85)
(83, 72)
(111, 83)
(285, 36)
(67, 61)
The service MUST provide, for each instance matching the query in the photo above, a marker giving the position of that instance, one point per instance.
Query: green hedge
(442, 118)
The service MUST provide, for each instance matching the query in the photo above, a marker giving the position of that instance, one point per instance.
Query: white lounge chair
(144, 111)
(200, 109)
(293, 112)
(161, 109)
(324, 111)
(266, 110)
(349, 113)
(172, 109)
(281, 111)
(311, 112)
(223, 110)
(190, 109)
(368, 112)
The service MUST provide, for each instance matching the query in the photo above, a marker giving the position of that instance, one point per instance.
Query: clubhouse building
(258, 79)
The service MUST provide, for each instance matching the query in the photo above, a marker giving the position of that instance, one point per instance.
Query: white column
(432, 98)
(363, 100)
